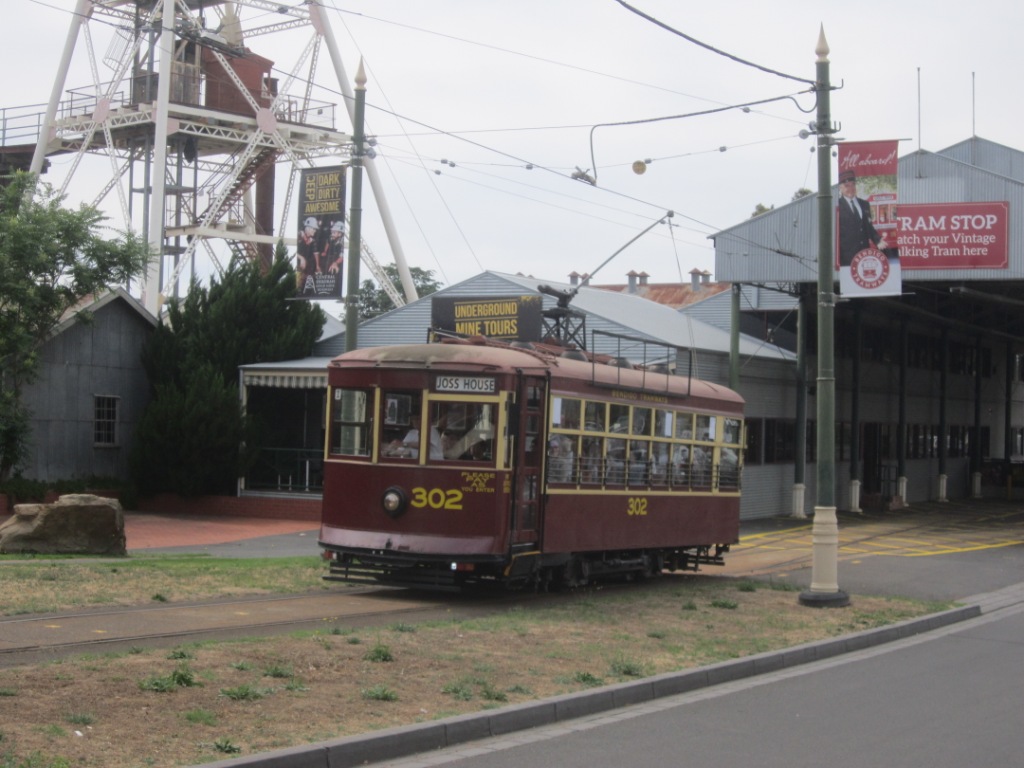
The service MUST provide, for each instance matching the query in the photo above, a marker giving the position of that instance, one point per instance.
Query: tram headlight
(395, 500)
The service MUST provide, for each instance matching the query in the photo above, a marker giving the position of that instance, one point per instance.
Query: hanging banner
(954, 235)
(867, 257)
(320, 254)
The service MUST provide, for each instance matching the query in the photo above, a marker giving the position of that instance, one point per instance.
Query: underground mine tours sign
(512, 318)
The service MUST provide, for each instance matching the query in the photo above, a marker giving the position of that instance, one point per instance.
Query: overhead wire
(433, 130)
(711, 48)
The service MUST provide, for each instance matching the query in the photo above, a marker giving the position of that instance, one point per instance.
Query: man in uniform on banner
(856, 231)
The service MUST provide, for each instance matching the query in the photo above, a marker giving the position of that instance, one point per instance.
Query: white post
(976, 485)
(855, 496)
(901, 489)
(942, 488)
(798, 500)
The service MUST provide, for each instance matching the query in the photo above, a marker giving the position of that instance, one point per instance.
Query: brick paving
(145, 530)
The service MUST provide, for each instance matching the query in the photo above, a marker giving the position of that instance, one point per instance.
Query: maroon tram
(473, 462)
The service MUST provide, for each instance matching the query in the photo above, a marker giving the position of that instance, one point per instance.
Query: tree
(762, 208)
(194, 436)
(374, 301)
(51, 259)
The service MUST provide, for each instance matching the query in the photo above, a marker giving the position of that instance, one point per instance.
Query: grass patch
(200, 717)
(379, 693)
(379, 653)
(244, 692)
(63, 584)
(455, 666)
(182, 677)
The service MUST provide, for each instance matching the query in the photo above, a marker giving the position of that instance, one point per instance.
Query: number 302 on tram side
(474, 462)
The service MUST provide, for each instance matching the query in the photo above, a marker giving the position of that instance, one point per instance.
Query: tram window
(705, 427)
(596, 417)
(731, 432)
(662, 423)
(684, 426)
(729, 469)
(400, 426)
(533, 395)
(659, 463)
(615, 462)
(590, 460)
(561, 459)
(680, 469)
(641, 423)
(565, 413)
(700, 467)
(639, 451)
(466, 430)
(619, 416)
(350, 428)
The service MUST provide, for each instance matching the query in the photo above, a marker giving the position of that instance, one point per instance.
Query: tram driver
(409, 446)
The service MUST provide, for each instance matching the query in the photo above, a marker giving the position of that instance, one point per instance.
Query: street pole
(355, 214)
(824, 590)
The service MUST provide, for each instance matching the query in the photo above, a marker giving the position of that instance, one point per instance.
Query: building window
(104, 430)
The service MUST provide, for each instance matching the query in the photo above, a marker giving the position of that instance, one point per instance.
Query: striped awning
(284, 379)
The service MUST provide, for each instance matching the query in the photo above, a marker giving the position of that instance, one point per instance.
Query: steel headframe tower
(193, 125)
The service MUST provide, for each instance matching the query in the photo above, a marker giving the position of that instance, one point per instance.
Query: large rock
(76, 524)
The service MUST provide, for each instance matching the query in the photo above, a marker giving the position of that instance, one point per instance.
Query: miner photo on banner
(867, 258)
(320, 252)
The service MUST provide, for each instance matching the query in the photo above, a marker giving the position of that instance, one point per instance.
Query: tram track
(45, 637)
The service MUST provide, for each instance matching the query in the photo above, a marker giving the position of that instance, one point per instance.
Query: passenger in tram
(560, 459)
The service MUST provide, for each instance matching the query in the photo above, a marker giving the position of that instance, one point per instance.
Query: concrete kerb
(405, 741)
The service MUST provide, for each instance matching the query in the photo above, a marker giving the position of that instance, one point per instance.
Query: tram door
(528, 426)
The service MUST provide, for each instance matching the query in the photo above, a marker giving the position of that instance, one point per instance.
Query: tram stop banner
(867, 254)
(320, 254)
(954, 235)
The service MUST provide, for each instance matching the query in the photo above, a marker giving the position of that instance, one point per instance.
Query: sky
(483, 110)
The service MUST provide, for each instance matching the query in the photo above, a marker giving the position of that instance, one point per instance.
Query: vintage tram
(470, 462)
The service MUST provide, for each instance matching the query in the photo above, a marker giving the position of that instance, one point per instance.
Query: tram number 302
(436, 498)
(636, 506)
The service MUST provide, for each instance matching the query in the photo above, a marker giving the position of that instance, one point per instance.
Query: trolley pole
(355, 214)
(824, 590)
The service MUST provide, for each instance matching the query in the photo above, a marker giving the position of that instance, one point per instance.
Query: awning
(282, 380)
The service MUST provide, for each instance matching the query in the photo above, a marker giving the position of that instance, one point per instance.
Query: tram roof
(479, 354)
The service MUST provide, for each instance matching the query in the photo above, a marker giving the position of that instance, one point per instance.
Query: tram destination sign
(512, 318)
(479, 385)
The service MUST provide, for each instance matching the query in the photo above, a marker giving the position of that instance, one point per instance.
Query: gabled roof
(621, 313)
(91, 304)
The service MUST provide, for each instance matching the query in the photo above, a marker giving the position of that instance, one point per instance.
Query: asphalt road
(945, 699)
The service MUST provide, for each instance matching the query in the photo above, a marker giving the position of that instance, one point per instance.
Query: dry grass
(204, 702)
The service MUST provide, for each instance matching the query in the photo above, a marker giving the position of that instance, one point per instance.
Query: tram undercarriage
(523, 571)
